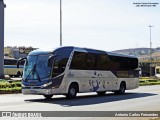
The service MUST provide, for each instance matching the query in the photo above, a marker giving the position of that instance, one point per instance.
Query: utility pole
(150, 26)
(60, 22)
(2, 6)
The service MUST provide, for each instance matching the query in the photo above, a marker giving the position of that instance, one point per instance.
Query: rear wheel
(122, 88)
(72, 92)
(48, 96)
(101, 93)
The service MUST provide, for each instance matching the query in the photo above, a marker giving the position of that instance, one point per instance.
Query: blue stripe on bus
(12, 66)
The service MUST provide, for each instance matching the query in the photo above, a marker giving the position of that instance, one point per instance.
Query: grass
(10, 89)
(6, 87)
(149, 81)
(155, 118)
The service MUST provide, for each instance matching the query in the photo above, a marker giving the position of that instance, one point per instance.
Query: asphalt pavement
(145, 98)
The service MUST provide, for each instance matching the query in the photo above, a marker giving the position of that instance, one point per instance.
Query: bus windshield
(36, 67)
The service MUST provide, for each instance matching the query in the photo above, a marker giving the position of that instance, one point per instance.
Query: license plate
(32, 92)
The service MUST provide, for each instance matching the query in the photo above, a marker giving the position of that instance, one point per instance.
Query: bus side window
(59, 66)
(114, 63)
(91, 60)
(55, 68)
(22, 62)
(102, 62)
(78, 61)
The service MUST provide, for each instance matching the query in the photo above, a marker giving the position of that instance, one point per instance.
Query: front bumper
(37, 91)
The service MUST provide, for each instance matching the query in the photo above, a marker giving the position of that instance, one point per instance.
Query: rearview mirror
(50, 60)
(19, 60)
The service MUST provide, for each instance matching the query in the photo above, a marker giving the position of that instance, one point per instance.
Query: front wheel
(48, 96)
(19, 74)
(72, 92)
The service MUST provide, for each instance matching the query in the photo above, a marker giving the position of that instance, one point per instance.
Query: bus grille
(31, 87)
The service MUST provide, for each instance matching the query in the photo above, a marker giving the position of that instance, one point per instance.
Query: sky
(100, 24)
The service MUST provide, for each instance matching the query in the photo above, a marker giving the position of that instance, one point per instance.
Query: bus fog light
(47, 91)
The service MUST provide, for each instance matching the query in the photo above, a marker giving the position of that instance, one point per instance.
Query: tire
(122, 89)
(72, 92)
(18, 74)
(48, 96)
(10, 76)
(101, 93)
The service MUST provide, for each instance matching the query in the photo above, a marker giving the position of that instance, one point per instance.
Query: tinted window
(21, 62)
(91, 61)
(10, 62)
(133, 63)
(59, 66)
(102, 62)
(60, 61)
(78, 61)
(83, 61)
(123, 63)
(114, 63)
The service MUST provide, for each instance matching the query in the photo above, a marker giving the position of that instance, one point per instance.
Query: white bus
(72, 70)
(10, 67)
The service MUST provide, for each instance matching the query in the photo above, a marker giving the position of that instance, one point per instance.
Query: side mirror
(19, 60)
(50, 60)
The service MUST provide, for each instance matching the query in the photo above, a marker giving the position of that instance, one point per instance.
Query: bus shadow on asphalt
(91, 99)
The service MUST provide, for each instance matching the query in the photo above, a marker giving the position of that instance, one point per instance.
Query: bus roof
(72, 48)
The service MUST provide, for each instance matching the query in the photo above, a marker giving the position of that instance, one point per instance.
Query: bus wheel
(101, 93)
(72, 92)
(121, 89)
(19, 74)
(48, 96)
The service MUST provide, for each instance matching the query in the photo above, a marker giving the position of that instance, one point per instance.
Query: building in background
(17, 52)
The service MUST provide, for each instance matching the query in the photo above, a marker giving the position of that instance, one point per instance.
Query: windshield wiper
(39, 79)
(28, 76)
(32, 72)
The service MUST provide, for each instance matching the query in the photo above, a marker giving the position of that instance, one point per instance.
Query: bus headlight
(47, 84)
(23, 85)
